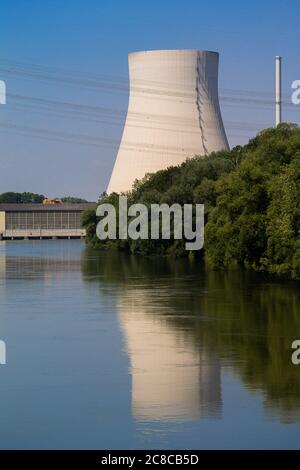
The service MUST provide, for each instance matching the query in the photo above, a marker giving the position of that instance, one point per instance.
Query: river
(110, 351)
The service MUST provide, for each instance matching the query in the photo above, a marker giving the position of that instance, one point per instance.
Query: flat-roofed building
(42, 220)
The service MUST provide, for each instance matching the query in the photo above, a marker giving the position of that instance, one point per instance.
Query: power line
(88, 139)
(112, 116)
(112, 83)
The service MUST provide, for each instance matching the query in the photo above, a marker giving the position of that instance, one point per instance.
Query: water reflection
(182, 322)
(182, 325)
(42, 261)
(171, 378)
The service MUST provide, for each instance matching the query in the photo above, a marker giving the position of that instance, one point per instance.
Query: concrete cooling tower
(173, 113)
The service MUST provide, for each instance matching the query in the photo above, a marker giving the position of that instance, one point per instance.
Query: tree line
(32, 198)
(252, 204)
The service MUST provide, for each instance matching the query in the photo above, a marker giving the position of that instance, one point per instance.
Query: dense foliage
(252, 204)
(72, 200)
(32, 198)
(21, 198)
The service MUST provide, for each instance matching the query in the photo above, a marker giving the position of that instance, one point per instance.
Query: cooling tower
(173, 113)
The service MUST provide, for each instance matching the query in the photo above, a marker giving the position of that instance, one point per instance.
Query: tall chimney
(278, 89)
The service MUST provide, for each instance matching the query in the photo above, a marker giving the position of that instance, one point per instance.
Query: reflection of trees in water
(172, 377)
(248, 320)
(254, 322)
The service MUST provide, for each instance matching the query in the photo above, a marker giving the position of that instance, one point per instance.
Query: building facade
(42, 221)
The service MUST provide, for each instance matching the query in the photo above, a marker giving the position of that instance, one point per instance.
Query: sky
(66, 73)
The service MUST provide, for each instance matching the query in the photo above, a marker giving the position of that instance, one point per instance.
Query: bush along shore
(251, 196)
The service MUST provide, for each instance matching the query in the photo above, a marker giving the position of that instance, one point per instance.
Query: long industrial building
(42, 221)
(173, 113)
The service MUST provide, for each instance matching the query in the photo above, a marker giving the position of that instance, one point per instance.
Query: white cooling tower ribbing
(173, 113)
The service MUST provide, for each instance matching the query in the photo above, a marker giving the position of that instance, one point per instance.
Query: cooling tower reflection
(171, 378)
(174, 376)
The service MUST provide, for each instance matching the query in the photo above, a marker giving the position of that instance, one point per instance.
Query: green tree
(73, 200)
(21, 198)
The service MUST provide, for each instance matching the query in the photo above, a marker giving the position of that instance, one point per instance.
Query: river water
(109, 351)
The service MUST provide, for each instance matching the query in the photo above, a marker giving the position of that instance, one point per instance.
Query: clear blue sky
(44, 147)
